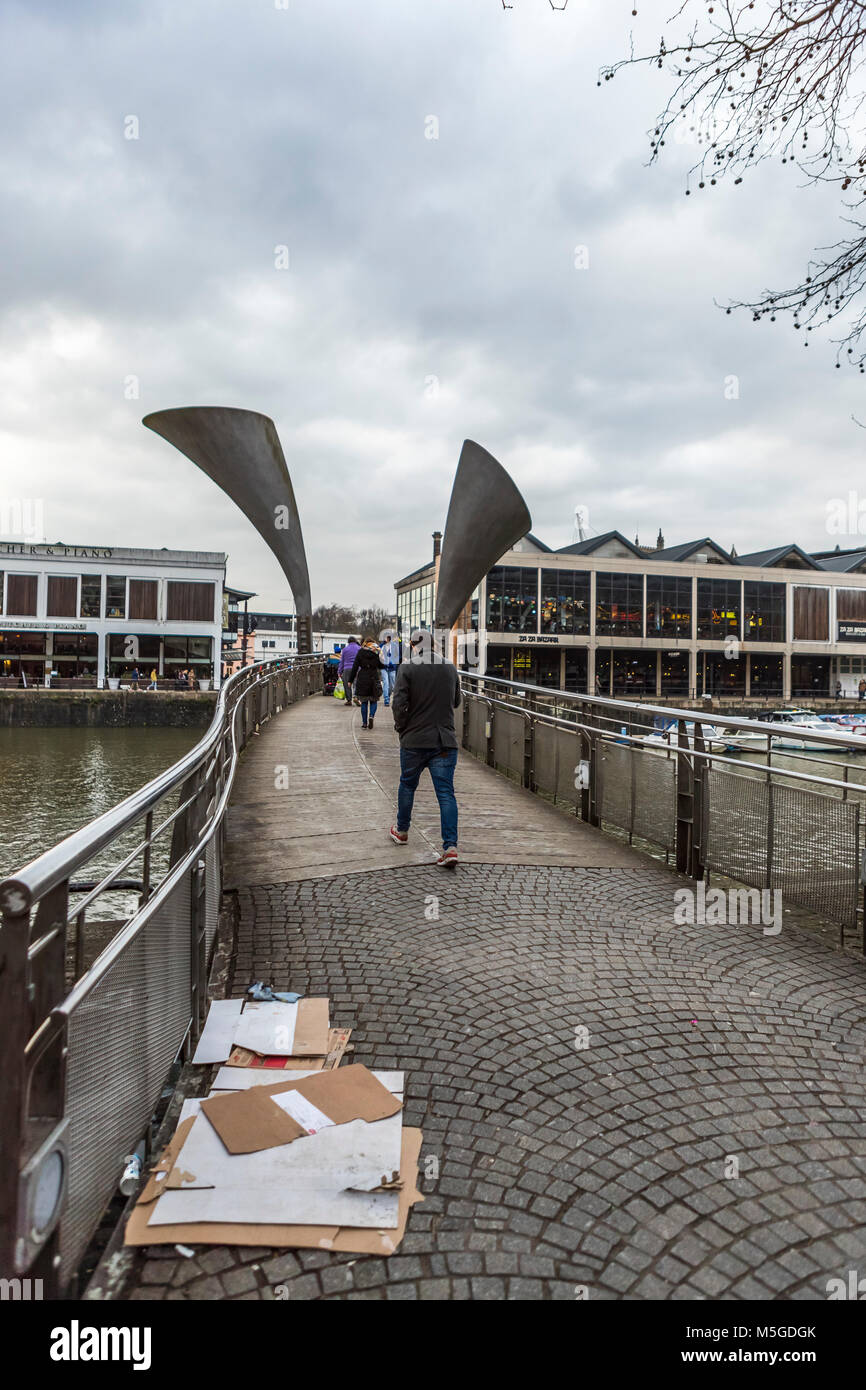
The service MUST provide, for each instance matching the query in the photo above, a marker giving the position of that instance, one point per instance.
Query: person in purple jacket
(347, 661)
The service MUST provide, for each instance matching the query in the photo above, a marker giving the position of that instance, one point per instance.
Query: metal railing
(677, 780)
(88, 1048)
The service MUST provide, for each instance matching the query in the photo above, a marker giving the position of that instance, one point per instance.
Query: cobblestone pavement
(590, 1079)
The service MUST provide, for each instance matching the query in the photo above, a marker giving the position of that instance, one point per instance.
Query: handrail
(761, 726)
(34, 880)
(131, 929)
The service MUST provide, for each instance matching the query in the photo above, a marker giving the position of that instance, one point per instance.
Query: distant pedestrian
(426, 694)
(347, 661)
(861, 689)
(153, 679)
(390, 653)
(366, 679)
(838, 690)
(135, 677)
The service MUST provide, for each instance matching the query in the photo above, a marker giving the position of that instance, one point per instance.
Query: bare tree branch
(775, 79)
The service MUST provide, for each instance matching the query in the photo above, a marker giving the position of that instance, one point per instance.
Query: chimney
(437, 543)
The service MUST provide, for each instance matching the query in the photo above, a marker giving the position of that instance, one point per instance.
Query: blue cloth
(441, 762)
(265, 992)
(373, 705)
(389, 675)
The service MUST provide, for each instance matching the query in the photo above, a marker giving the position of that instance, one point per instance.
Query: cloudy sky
(431, 294)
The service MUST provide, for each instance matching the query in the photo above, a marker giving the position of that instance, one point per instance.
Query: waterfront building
(83, 615)
(611, 617)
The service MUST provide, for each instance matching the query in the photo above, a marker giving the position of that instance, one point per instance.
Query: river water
(52, 781)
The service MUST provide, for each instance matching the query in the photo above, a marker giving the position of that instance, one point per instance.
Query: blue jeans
(374, 705)
(441, 762)
(389, 675)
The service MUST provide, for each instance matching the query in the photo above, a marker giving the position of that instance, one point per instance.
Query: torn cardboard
(338, 1039)
(346, 1240)
(265, 1117)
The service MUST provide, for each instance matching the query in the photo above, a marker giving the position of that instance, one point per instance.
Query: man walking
(390, 653)
(347, 661)
(426, 694)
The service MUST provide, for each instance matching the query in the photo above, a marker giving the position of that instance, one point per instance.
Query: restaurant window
(763, 611)
(189, 601)
(142, 598)
(499, 663)
(722, 674)
(811, 614)
(619, 605)
(132, 649)
(512, 599)
(21, 592)
(765, 675)
(668, 606)
(575, 670)
(62, 595)
(675, 673)
(718, 608)
(538, 666)
(565, 602)
(634, 673)
(91, 596)
(75, 655)
(115, 596)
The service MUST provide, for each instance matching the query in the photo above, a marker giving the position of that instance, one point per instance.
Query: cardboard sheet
(235, 1079)
(264, 1117)
(333, 1178)
(273, 1029)
(284, 1030)
(280, 1235)
(218, 1033)
(338, 1039)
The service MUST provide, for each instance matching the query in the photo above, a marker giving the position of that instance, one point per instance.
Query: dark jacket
(425, 697)
(366, 675)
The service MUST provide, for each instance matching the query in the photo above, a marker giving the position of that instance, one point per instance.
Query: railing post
(685, 800)
(528, 751)
(488, 735)
(15, 1013)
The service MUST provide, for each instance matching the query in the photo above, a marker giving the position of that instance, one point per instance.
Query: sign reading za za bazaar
(851, 632)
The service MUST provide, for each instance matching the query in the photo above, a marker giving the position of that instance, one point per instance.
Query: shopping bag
(339, 690)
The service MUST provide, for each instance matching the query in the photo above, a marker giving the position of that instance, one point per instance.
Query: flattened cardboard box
(270, 1029)
(345, 1240)
(338, 1040)
(252, 1120)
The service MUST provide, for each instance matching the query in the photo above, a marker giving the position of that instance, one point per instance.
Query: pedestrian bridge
(610, 1101)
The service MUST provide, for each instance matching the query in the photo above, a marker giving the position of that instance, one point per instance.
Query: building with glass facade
(83, 615)
(609, 617)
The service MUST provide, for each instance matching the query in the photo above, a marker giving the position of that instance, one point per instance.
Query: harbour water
(52, 781)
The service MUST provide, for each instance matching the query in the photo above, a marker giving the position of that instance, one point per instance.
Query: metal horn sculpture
(240, 451)
(486, 517)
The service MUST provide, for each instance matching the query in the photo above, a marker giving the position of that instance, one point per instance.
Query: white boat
(660, 740)
(791, 728)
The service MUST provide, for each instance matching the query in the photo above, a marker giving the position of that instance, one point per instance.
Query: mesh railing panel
(813, 850)
(556, 756)
(212, 890)
(509, 732)
(613, 784)
(655, 798)
(122, 1040)
(476, 733)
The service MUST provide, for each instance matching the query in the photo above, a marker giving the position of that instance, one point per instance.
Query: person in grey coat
(426, 694)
